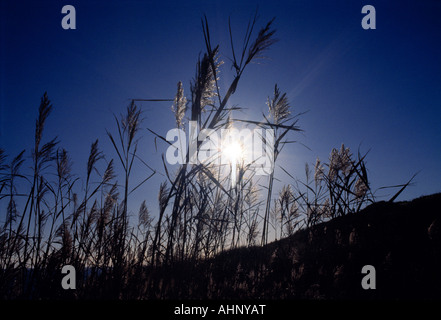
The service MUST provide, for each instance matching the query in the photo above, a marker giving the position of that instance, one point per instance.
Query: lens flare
(234, 153)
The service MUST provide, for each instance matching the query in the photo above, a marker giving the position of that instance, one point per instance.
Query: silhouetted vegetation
(202, 241)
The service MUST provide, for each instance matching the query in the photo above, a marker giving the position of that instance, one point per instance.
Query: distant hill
(401, 240)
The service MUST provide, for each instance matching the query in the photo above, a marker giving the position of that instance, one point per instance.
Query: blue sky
(377, 89)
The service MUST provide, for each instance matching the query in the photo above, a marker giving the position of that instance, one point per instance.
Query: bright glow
(234, 153)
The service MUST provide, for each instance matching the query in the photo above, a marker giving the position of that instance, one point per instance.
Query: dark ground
(401, 240)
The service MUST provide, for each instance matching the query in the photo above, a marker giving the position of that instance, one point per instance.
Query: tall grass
(50, 221)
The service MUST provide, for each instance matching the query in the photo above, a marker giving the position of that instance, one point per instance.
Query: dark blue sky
(380, 89)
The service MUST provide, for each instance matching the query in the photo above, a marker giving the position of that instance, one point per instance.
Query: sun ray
(233, 152)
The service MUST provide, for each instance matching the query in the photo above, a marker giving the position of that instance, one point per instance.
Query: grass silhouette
(203, 241)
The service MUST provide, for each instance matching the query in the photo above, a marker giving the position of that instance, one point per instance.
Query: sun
(233, 152)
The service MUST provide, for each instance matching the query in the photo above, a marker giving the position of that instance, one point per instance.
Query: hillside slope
(401, 240)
